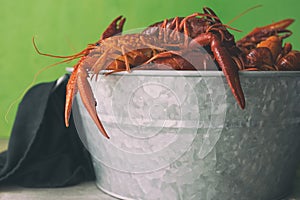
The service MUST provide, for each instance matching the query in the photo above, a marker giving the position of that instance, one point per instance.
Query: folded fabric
(42, 152)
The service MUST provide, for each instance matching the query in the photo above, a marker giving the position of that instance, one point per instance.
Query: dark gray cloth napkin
(42, 152)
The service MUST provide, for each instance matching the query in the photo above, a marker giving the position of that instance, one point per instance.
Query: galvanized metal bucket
(181, 135)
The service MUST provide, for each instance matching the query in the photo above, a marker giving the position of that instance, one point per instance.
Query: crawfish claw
(71, 90)
(88, 100)
(258, 33)
(78, 82)
(114, 28)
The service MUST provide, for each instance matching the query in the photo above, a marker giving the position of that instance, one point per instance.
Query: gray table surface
(82, 191)
(86, 190)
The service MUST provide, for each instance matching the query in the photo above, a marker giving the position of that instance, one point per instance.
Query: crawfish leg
(100, 64)
(175, 34)
(88, 99)
(167, 54)
(228, 66)
(125, 58)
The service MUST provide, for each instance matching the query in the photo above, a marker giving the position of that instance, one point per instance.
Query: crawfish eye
(97, 44)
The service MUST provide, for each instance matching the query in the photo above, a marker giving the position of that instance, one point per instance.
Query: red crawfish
(78, 79)
(263, 48)
(112, 52)
(207, 30)
(122, 52)
(260, 34)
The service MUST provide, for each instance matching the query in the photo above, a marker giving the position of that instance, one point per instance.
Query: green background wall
(63, 27)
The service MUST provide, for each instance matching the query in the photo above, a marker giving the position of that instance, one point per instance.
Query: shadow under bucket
(181, 135)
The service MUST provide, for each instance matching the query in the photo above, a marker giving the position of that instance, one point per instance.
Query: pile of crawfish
(178, 43)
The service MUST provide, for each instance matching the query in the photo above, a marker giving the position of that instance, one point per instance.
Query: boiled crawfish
(263, 48)
(137, 51)
(123, 52)
(207, 30)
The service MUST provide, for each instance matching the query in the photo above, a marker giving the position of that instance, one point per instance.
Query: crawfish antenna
(67, 59)
(77, 55)
(243, 13)
(30, 85)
